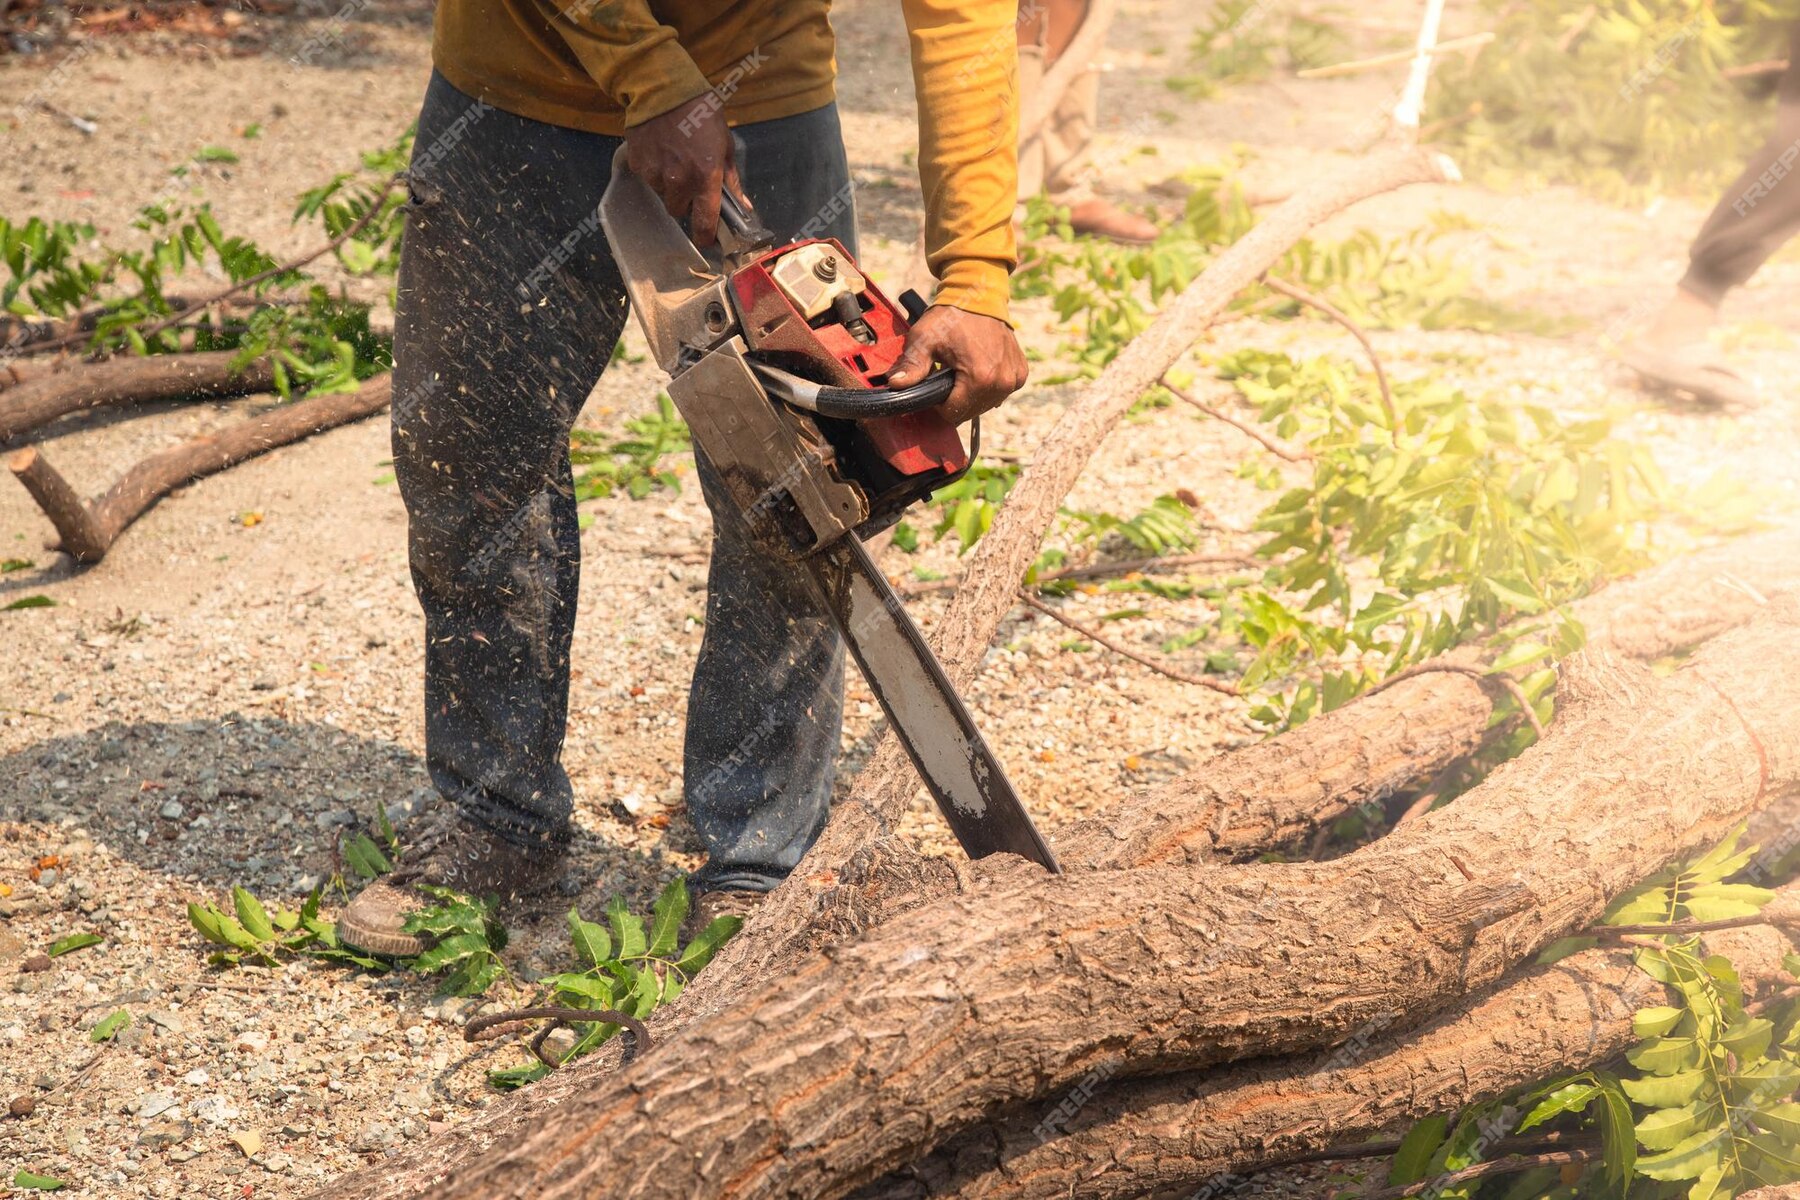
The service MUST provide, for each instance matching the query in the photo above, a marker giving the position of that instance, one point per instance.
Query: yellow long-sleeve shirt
(606, 65)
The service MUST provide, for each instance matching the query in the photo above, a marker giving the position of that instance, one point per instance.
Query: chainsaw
(777, 361)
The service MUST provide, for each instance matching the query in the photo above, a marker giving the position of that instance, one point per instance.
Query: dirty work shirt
(603, 66)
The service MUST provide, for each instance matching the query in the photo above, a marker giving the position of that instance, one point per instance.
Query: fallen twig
(558, 1015)
(1512, 1165)
(1273, 445)
(1100, 570)
(1473, 41)
(1294, 291)
(1163, 669)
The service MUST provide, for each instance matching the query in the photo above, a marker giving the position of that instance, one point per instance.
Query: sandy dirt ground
(221, 698)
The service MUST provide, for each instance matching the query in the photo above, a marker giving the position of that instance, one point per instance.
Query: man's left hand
(983, 351)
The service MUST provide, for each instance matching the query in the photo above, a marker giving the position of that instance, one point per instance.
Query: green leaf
(108, 1025)
(9, 565)
(1667, 1091)
(1666, 1056)
(1690, 1159)
(450, 950)
(1655, 1022)
(1669, 1127)
(508, 1078)
(706, 943)
(75, 941)
(206, 921)
(1748, 1039)
(29, 602)
(627, 929)
(218, 154)
(1618, 1138)
(365, 857)
(1570, 1098)
(251, 915)
(1783, 1120)
(667, 914)
(1412, 1162)
(591, 943)
(36, 1183)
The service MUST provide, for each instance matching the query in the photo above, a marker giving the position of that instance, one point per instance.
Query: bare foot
(1103, 218)
(1683, 321)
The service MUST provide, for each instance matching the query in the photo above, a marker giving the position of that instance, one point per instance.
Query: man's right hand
(685, 155)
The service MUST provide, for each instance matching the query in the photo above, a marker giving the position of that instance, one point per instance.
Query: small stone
(154, 1104)
(215, 1109)
(255, 1041)
(167, 1020)
(416, 1036)
(371, 1137)
(10, 945)
(36, 963)
(198, 1077)
(171, 810)
(163, 1134)
(48, 877)
(21, 1106)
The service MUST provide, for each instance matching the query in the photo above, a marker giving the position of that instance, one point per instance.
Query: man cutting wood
(509, 308)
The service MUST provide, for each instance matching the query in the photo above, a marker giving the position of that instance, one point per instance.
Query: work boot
(452, 853)
(710, 905)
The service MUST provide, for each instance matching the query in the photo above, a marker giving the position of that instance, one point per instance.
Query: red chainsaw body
(825, 351)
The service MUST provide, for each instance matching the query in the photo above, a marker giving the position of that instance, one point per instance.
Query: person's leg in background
(1757, 214)
(1054, 160)
(509, 307)
(767, 703)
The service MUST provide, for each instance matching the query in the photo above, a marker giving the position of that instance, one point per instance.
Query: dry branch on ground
(87, 529)
(42, 398)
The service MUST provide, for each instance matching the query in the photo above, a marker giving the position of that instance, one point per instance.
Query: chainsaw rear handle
(856, 404)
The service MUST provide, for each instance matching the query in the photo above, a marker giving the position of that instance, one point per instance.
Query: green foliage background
(1618, 96)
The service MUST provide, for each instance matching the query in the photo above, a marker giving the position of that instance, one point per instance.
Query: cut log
(87, 530)
(128, 380)
(869, 1056)
(1188, 1131)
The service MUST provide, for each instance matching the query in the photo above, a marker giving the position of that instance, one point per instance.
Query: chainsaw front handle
(855, 404)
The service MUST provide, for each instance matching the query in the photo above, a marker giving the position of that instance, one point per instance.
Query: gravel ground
(223, 697)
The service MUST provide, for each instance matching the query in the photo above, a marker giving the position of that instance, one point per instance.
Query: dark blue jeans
(509, 307)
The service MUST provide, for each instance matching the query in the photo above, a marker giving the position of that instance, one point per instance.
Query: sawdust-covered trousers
(1760, 211)
(509, 306)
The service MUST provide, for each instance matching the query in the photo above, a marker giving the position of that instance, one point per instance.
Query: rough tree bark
(1173, 1134)
(87, 530)
(128, 380)
(866, 1057)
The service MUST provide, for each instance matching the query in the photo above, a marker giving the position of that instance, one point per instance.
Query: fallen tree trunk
(1277, 792)
(865, 1058)
(128, 380)
(1212, 1129)
(88, 530)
